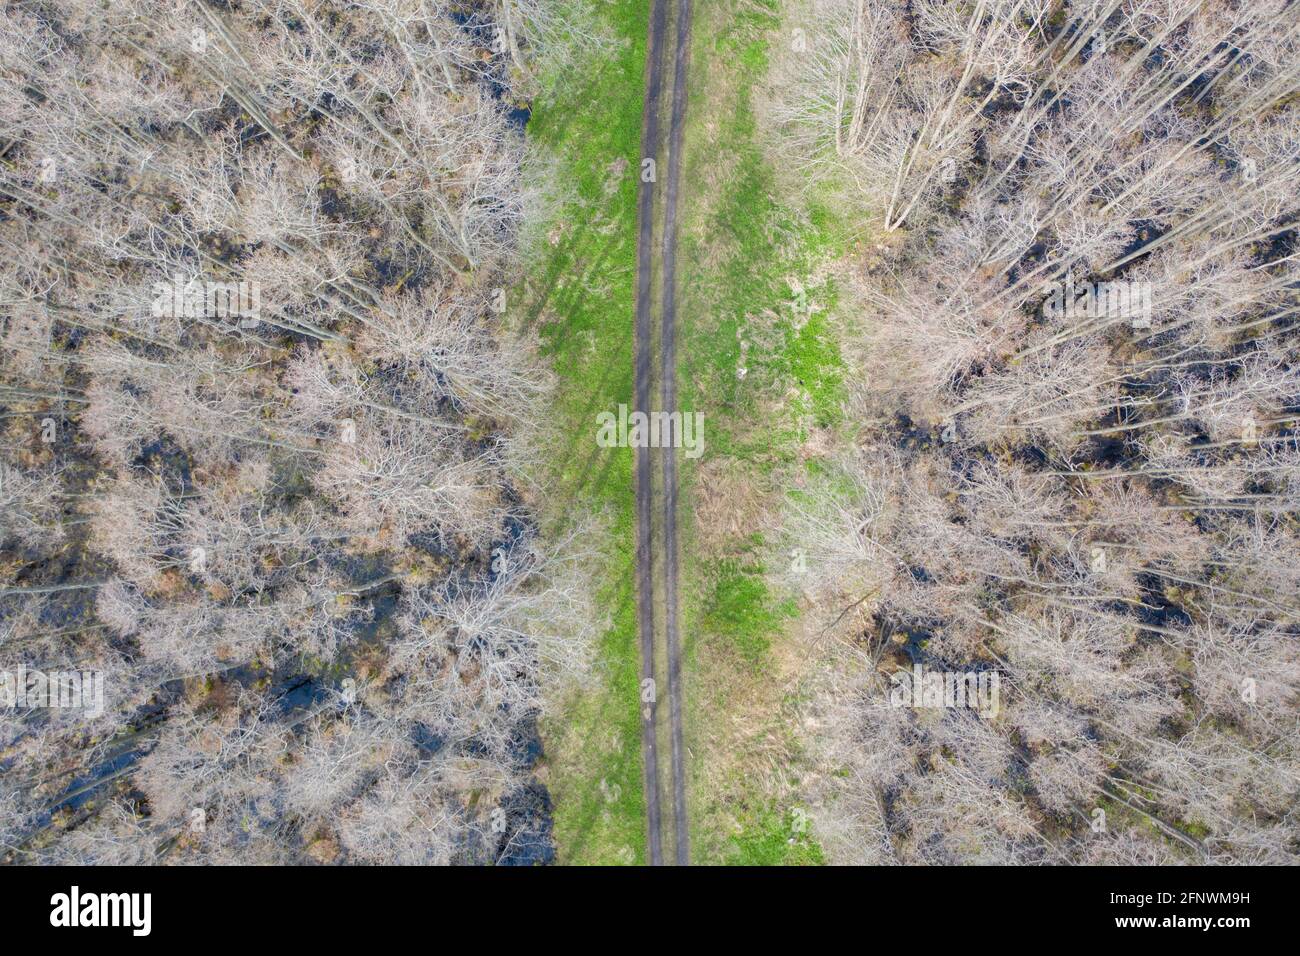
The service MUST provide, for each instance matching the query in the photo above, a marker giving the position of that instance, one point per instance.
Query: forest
(1092, 495)
(264, 436)
(320, 542)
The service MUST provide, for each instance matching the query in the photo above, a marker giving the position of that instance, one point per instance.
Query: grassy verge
(580, 296)
(751, 299)
(749, 296)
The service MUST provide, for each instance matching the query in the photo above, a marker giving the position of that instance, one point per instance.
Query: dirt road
(656, 547)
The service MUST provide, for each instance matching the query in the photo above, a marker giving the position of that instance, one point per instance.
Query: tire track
(668, 395)
(647, 510)
(642, 381)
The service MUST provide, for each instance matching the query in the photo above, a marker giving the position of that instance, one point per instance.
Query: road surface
(660, 645)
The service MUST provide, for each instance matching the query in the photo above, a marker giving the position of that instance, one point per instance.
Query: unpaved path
(663, 545)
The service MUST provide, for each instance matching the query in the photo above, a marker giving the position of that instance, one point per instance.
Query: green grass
(767, 243)
(738, 258)
(771, 838)
(580, 297)
(742, 610)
